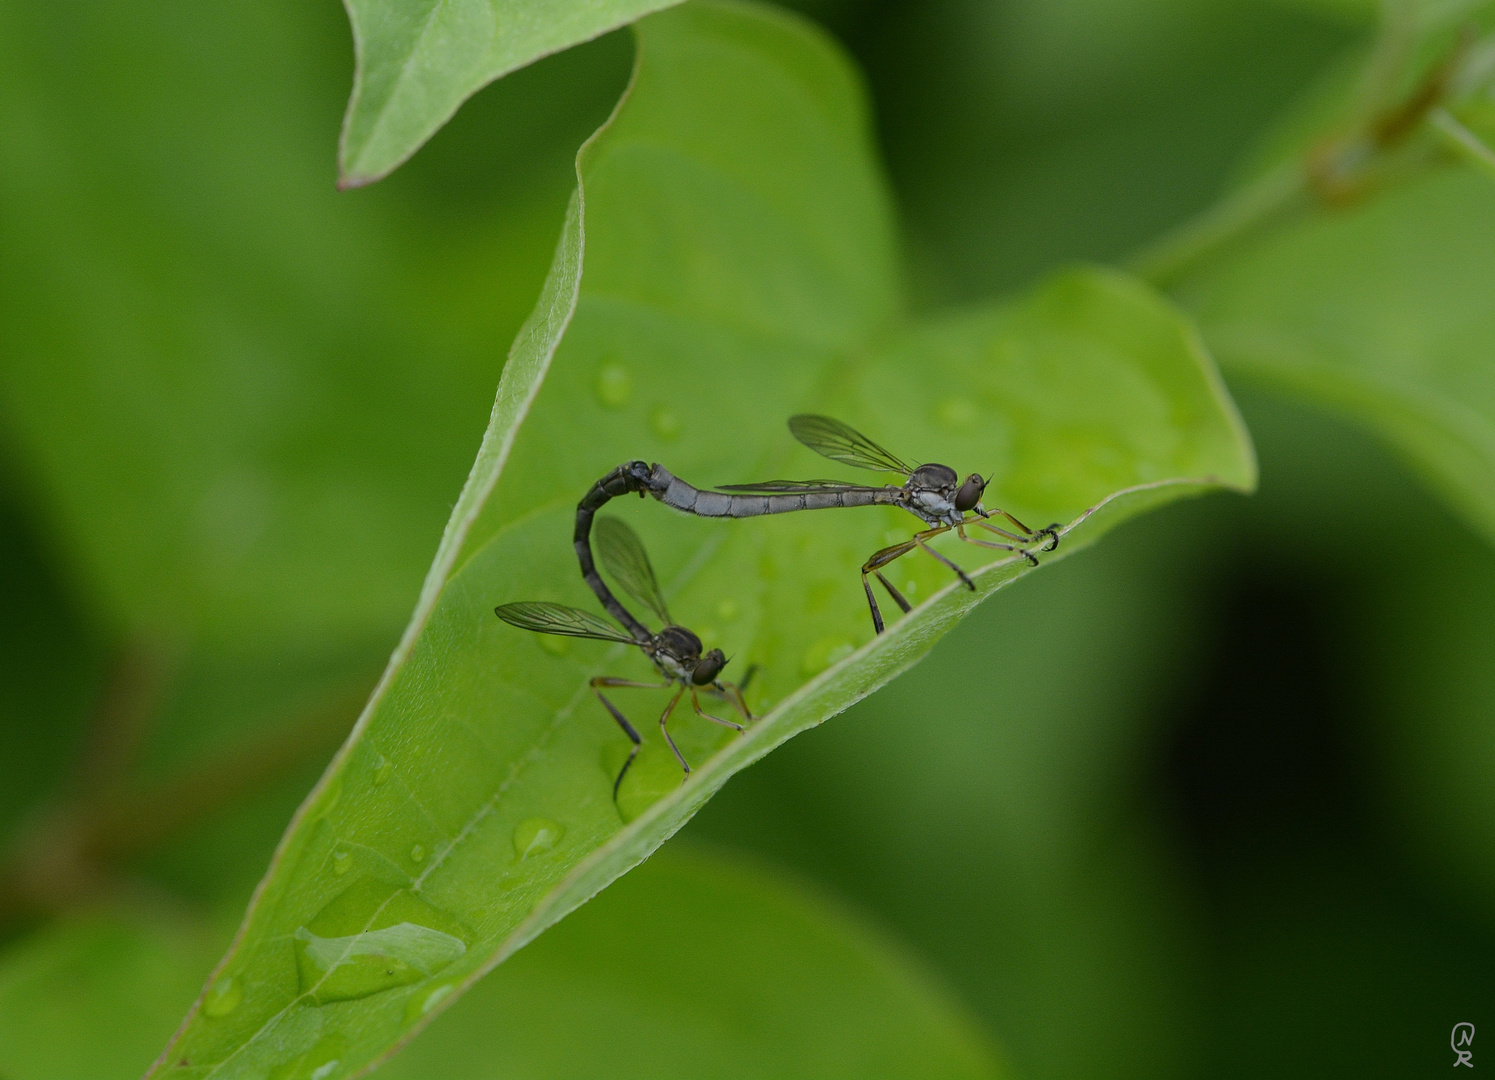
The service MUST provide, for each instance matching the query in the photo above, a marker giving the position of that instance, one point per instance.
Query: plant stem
(1458, 138)
(1265, 199)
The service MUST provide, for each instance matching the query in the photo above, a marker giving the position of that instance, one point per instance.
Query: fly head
(709, 668)
(970, 493)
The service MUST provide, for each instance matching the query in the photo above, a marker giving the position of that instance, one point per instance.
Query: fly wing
(626, 562)
(546, 618)
(840, 442)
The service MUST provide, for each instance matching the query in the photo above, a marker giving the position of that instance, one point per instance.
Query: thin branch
(75, 851)
(1463, 142)
(1267, 199)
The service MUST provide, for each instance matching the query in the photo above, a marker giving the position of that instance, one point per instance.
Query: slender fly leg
(606, 680)
(664, 718)
(695, 702)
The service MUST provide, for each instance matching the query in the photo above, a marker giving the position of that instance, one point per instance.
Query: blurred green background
(1211, 799)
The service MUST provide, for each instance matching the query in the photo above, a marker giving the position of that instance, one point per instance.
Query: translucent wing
(558, 619)
(839, 442)
(794, 487)
(626, 562)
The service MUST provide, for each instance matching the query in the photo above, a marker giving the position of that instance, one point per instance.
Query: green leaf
(728, 261)
(93, 996)
(418, 60)
(796, 986)
(697, 966)
(239, 400)
(1381, 312)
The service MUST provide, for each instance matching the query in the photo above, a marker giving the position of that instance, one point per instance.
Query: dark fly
(933, 493)
(675, 651)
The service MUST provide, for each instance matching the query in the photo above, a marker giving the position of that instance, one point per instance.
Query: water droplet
(910, 587)
(824, 653)
(382, 770)
(728, 610)
(424, 1001)
(223, 997)
(418, 852)
(665, 423)
(342, 862)
(957, 413)
(537, 835)
(318, 1063)
(654, 774)
(555, 646)
(372, 937)
(614, 385)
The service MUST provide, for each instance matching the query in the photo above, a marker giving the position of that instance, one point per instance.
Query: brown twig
(75, 851)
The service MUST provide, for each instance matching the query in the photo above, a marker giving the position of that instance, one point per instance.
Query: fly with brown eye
(675, 651)
(933, 493)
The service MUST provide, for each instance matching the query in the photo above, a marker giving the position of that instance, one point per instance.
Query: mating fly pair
(933, 493)
(675, 651)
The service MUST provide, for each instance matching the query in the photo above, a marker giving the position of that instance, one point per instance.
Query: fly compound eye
(708, 668)
(970, 493)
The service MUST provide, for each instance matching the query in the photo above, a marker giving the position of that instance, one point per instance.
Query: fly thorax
(676, 652)
(934, 507)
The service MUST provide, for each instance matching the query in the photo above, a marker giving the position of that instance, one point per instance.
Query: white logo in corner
(1463, 1035)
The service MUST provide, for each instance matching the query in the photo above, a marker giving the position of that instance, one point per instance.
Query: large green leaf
(695, 966)
(1381, 311)
(727, 262)
(237, 400)
(418, 60)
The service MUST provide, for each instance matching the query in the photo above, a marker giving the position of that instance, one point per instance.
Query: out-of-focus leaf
(418, 60)
(738, 268)
(1024, 136)
(1430, 677)
(1000, 835)
(694, 966)
(93, 996)
(240, 401)
(1382, 312)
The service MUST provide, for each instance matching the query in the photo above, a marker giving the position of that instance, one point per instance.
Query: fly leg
(920, 538)
(695, 702)
(604, 680)
(733, 694)
(874, 566)
(1024, 552)
(664, 719)
(1051, 531)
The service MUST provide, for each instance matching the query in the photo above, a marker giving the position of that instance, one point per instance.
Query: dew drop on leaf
(374, 937)
(536, 835)
(318, 1063)
(614, 385)
(342, 862)
(654, 774)
(957, 414)
(223, 997)
(424, 1001)
(382, 768)
(665, 423)
(418, 852)
(824, 653)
